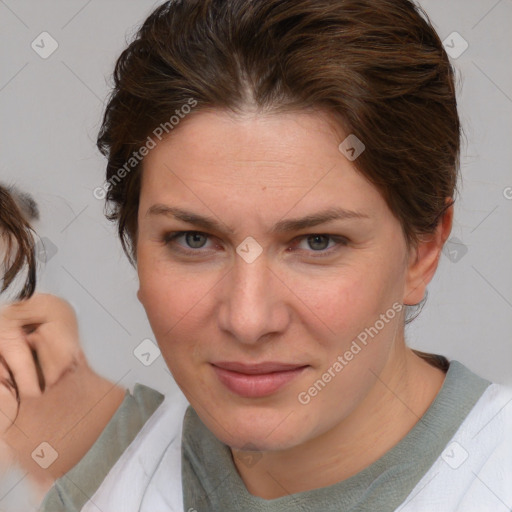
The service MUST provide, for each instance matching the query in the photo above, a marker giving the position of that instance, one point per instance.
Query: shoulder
(474, 470)
(140, 415)
(132, 479)
(484, 448)
(491, 417)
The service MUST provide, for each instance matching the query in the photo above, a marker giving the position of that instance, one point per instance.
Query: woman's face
(273, 325)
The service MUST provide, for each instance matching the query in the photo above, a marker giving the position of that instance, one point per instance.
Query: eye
(320, 243)
(194, 241)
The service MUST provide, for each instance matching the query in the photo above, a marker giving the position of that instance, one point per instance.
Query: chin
(249, 428)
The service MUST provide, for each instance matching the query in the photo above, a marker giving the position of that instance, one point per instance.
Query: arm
(61, 400)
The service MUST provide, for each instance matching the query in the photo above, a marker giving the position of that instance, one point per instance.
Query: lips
(256, 380)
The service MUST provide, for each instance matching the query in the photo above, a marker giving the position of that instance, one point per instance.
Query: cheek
(358, 310)
(174, 301)
(348, 300)
(163, 291)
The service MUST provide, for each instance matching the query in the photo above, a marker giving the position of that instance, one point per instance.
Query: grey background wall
(50, 113)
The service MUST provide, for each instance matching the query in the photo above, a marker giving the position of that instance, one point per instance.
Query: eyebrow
(282, 226)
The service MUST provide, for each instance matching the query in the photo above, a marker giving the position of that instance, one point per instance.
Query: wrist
(70, 417)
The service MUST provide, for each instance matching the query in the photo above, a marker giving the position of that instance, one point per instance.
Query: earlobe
(424, 259)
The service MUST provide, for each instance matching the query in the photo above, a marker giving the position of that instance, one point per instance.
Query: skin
(76, 403)
(289, 305)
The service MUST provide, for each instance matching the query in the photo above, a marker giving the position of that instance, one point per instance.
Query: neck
(400, 396)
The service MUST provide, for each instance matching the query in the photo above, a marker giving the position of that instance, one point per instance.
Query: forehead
(278, 161)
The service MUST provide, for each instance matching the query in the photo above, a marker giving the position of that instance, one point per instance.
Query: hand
(49, 393)
(39, 343)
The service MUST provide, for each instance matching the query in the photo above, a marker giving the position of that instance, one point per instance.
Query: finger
(18, 357)
(39, 308)
(57, 351)
(9, 399)
(51, 331)
(8, 407)
(7, 378)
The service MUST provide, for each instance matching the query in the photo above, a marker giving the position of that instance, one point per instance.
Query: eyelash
(168, 238)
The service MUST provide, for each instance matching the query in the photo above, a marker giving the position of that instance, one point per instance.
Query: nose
(253, 303)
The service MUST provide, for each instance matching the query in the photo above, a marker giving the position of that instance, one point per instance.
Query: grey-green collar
(211, 482)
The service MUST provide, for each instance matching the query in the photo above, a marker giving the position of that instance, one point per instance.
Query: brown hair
(377, 65)
(18, 248)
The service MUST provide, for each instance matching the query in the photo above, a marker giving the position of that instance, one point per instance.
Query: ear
(424, 259)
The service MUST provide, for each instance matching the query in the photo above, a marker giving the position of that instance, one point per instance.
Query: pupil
(315, 239)
(192, 239)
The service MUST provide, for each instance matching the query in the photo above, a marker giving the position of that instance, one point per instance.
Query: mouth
(256, 380)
